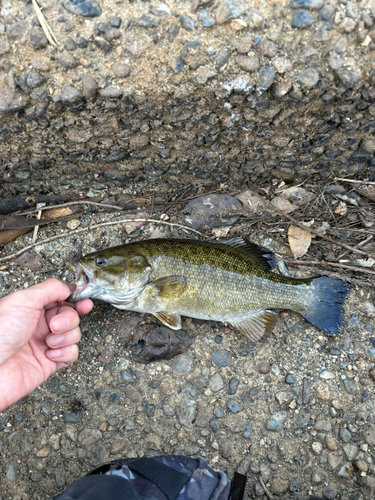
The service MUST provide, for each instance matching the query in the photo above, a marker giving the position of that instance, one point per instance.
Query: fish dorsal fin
(261, 255)
(257, 324)
(173, 320)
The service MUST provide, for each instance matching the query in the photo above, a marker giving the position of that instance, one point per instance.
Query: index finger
(82, 306)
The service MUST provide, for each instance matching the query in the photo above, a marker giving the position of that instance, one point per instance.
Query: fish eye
(101, 261)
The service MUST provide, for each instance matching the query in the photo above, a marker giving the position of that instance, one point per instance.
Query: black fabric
(237, 489)
(100, 487)
(168, 480)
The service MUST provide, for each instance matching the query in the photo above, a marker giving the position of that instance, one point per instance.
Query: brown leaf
(12, 234)
(34, 262)
(299, 240)
(19, 222)
(56, 213)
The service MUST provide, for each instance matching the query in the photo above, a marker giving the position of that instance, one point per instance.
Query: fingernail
(60, 324)
(72, 287)
(56, 353)
(55, 339)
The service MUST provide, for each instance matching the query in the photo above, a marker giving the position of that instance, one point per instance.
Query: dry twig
(83, 229)
(333, 264)
(355, 181)
(80, 202)
(266, 491)
(360, 244)
(46, 28)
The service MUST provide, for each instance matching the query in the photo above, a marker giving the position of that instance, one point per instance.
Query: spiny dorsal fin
(260, 254)
(257, 324)
(169, 319)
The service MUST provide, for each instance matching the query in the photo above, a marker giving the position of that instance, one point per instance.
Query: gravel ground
(297, 409)
(216, 94)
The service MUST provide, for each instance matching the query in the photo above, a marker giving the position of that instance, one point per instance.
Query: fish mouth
(82, 282)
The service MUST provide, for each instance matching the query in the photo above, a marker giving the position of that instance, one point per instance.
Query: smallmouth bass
(229, 281)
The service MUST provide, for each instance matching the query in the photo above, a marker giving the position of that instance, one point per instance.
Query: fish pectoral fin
(169, 319)
(170, 286)
(257, 325)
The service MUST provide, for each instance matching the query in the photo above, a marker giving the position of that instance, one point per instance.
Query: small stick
(36, 228)
(333, 264)
(354, 181)
(83, 229)
(47, 30)
(360, 244)
(266, 491)
(105, 205)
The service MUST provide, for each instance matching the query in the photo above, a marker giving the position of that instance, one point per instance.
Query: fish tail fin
(326, 310)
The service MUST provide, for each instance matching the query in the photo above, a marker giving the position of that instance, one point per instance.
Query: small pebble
(302, 19)
(247, 432)
(291, 379)
(121, 70)
(233, 386)
(38, 39)
(115, 21)
(266, 79)
(234, 407)
(85, 8)
(276, 420)
(216, 382)
(70, 44)
(221, 359)
(350, 386)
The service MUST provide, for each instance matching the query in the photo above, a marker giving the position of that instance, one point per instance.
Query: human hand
(38, 336)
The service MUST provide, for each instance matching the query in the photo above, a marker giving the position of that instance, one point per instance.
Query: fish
(230, 281)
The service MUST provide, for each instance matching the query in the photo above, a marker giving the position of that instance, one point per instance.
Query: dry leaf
(56, 213)
(341, 208)
(299, 240)
(323, 228)
(221, 232)
(12, 234)
(297, 195)
(283, 204)
(34, 262)
(366, 262)
(252, 201)
(132, 226)
(19, 222)
(366, 190)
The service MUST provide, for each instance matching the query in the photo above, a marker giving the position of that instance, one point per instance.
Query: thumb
(38, 296)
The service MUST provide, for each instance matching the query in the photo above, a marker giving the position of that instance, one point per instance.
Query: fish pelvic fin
(326, 309)
(170, 286)
(257, 324)
(172, 320)
(259, 254)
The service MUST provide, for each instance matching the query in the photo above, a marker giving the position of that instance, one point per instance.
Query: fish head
(117, 275)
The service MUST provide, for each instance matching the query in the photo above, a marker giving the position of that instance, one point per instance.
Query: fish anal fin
(259, 254)
(257, 325)
(172, 320)
(170, 286)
